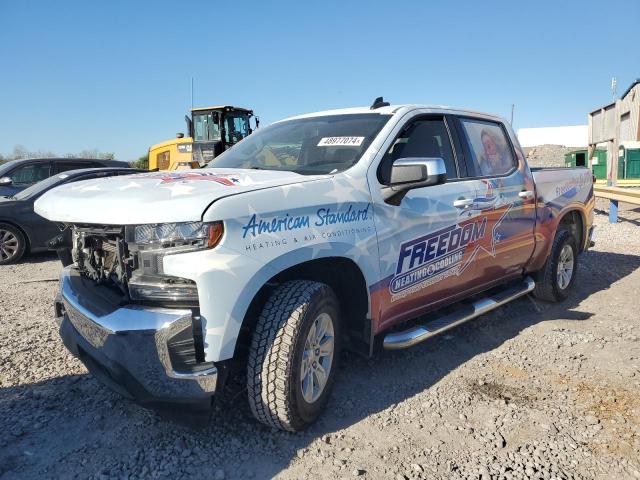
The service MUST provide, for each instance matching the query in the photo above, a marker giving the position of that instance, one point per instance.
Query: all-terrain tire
(548, 287)
(13, 244)
(274, 370)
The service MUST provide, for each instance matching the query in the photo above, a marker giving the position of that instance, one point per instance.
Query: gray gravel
(530, 391)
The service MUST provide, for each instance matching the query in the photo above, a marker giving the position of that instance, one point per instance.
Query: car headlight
(151, 243)
(171, 235)
(185, 148)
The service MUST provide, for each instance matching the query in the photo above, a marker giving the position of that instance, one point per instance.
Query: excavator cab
(211, 130)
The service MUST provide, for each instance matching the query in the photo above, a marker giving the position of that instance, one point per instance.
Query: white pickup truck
(356, 228)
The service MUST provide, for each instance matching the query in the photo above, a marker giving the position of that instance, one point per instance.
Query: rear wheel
(12, 244)
(557, 276)
(293, 355)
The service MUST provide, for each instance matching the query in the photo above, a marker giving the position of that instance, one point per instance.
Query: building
(614, 125)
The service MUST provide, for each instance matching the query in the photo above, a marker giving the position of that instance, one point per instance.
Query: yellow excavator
(212, 130)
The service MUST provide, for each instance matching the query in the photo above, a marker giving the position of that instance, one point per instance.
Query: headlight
(185, 148)
(168, 235)
(151, 243)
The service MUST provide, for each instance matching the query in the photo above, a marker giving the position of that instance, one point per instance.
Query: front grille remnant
(101, 255)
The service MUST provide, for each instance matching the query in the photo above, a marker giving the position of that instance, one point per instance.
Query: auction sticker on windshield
(340, 141)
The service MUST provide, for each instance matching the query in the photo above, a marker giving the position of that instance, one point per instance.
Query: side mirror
(4, 181)
(410, 173)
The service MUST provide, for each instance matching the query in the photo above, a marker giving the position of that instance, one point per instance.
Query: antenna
(614, 85)
(191, 93)
(513, 106)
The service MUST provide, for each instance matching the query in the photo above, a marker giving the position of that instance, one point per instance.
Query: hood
(155, 197)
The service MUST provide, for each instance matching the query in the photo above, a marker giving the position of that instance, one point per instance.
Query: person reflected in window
(496, 159)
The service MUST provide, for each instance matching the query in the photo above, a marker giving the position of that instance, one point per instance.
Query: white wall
(572, 136)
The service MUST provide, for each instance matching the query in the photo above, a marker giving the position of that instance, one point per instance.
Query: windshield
(41, 186)
(205, 127)
(309, 146)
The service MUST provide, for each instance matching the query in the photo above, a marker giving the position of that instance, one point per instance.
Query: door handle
(526, 194)
(462, 203)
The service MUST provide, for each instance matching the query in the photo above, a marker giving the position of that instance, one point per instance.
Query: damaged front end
(102, 256)
(136, 328)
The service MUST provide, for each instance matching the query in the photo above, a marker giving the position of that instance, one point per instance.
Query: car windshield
(309, 146)
(42, 186)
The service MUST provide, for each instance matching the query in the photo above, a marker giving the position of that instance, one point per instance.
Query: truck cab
(324, 231)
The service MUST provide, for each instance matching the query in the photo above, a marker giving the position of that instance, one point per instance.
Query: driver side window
(423, 138)
(30, 174)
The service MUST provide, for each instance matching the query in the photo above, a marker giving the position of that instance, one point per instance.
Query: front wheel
(557, 276)
(293, 355)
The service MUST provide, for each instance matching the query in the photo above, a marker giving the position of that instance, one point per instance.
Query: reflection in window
(205, 127)
(313, 145)
(236, 127)
(30, 174)
(489, 147)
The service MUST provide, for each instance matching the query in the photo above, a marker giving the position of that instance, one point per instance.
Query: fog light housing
(163, 289)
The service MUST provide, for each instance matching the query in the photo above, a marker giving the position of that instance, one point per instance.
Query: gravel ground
(530, 391)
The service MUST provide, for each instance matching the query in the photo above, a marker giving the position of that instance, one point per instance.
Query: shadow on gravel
(72, 425)
(621, 215)
(39, 257)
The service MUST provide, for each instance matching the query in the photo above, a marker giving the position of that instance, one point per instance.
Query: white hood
(155, 197)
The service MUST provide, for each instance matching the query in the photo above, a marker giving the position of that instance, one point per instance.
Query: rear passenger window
(423, 138)
(491, 153)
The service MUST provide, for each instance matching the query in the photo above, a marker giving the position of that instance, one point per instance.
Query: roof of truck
(220, 107)
(393, 109)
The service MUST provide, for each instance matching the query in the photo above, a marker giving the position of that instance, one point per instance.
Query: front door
(429, 241)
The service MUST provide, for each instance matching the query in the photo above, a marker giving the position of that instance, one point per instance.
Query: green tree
(142, 162)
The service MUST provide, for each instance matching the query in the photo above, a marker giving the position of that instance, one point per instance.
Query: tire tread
(270, 369)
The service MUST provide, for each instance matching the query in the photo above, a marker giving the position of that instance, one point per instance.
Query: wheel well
(346, 280)
(573, 222)
(27, 246)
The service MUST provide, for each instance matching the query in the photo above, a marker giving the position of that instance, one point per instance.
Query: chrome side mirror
(410, 173)
(4, 181)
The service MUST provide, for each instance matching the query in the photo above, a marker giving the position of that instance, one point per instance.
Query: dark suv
(17, 175)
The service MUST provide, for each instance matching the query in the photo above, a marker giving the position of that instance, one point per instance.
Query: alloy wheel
(317, 357)
(565, 267)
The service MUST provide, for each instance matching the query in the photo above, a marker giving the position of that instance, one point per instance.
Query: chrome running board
(412, 336)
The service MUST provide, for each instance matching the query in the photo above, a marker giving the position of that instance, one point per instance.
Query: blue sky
(116, 75)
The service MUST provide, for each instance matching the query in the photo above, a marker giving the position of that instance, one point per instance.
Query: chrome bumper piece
(127, 347)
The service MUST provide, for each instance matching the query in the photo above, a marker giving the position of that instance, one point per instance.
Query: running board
(408, 338)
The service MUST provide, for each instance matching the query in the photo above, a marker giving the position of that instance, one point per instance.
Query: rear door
(506, 197)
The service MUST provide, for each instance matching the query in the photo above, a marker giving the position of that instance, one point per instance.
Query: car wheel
(557, 276)
(12, 244)
(293, 355)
